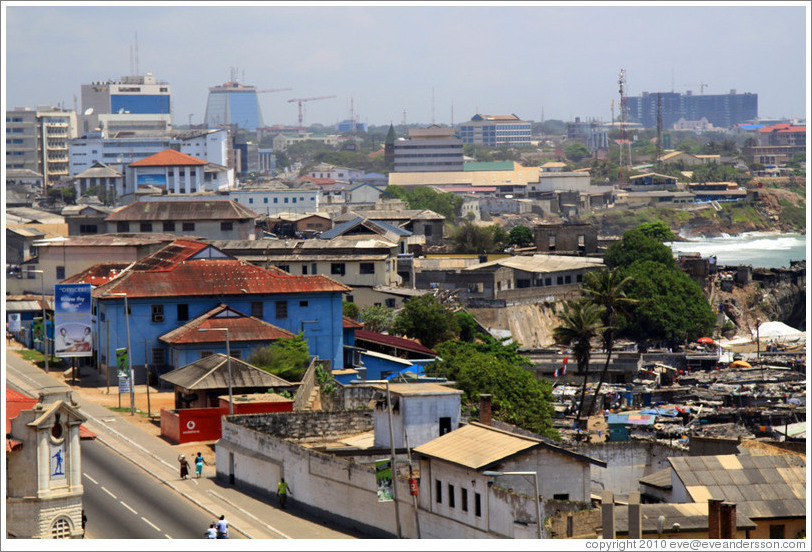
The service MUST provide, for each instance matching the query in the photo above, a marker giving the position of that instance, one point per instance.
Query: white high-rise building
(37, 139)
(136, 102)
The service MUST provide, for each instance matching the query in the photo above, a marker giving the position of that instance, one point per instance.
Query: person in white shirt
(211, 532)
(222, 528)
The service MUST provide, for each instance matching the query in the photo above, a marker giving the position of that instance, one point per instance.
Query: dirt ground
(92, 387)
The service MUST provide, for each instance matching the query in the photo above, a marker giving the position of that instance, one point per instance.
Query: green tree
(635, 245)
(520, 236)
(468, 327)
(378, 318)
(575, 152)
(286, 358)
(657, 230)
(418, 197)
(350, 310)
(607, 289)
(472, 238)
(670, 307)
(426, 320)
(580, 324)
(491, 367)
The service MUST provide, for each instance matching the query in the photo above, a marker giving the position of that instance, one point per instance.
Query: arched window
(61, 528)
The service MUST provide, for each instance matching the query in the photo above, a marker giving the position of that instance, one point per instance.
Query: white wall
(423, 412)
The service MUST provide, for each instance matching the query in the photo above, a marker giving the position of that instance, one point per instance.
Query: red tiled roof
(350, 323)
(794, 129)
(240, 328)
(168, 158)
(317, 181)
(391, 340)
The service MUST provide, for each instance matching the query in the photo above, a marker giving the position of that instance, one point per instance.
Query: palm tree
(607, 288)
(580, 323)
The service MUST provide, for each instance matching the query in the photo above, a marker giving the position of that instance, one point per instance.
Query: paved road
(123, 502)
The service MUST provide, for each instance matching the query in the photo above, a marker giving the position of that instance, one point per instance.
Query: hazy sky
(527, 58)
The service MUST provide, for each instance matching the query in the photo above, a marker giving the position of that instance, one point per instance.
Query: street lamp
(228, 357)
(392, 446)
(44, 325)
(535, 475)
(129, 351)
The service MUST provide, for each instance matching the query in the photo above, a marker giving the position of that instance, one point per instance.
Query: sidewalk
(136, 439)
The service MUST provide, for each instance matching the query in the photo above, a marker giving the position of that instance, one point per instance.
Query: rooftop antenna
(137, 69)
(132, 68)
(452, 114)
(432, 105)
(404, 117)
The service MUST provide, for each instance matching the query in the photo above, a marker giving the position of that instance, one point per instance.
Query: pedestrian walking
(184, 466)
(211, 532)
(283, 490)
(84, 522)
(222, 528)
(199, 461)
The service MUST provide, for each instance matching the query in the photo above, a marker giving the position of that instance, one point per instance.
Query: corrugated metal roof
(241, 328)
(211, 372)
(763, 486)
(541, 263)
(393, 341)
(475, 447)
(689, 516)
(415, 389)
(660, 479)
(216, 209)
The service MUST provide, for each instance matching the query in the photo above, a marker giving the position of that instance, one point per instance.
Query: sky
(421, 63)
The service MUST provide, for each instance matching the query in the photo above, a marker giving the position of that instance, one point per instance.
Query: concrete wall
(627, 462)
(423, 414)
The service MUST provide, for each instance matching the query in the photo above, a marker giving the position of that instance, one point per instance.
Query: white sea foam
(759, 249)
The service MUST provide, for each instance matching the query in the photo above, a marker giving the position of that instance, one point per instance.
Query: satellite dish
(89, 111)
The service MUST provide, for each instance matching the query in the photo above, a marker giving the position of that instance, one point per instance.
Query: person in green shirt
(283, 490)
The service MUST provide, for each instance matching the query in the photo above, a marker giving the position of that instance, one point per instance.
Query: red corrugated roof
(168, 158)
(391, 340)
(241, 328)
(98, 274)
(350, 323)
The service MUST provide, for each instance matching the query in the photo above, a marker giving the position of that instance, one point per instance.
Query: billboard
(152, 179)
(383, 479)
(73, 334)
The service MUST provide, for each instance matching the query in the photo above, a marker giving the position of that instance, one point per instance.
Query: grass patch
(38, 359)
(796, 216)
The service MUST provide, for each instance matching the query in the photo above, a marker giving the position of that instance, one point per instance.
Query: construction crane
(701, 85)
(303, 100)
(273, 90)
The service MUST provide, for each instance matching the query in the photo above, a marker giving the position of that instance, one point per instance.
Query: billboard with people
(73, 335)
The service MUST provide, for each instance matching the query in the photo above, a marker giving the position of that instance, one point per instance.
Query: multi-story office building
(431, 149)
(135, 102)
(720, 110)
(37, 140)
(593, 134)
(495, 130)
(211, 145)
(233, 103)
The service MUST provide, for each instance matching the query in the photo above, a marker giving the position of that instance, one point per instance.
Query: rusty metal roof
(393, 341)
(690, 516)
(475, 446)
(198, 210)
(98, 274)
(241, 328)
(211, 372)
(762, 486)
(350, 323)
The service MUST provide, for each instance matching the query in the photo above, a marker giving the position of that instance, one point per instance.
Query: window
(451, 495)
(390, 303)
(188, 226)
(777, 531)
(438, 496)
(337, 268)
(183, 312)
(464, 499)
(567, 279)
(428, 230)
(158, 356)
(367, 268)
(477, 505)
(88, 229)
(286, 268)
(61, 529)
(122, 227)
(579, 278)
(157, 313)
(60, 273)
(264, 200)
(145, 227)
(303, 304)
(294, 200)
(313, 269)
(304, 270)
(226, 226)
(281, 309)
(251, 200)
(445, 425)
(276, 200)
(551, 243)
(169, 227)
(350, 299)
(256, 309)
(286, 200)
(563, 496)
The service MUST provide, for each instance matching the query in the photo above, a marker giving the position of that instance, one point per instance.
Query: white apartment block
(274, 201)
(37, 140)
(136, 102)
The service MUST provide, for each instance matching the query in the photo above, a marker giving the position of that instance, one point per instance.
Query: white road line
(126, 506)
(167, 536)
(108, 492)
(93, 480)
(149, 523)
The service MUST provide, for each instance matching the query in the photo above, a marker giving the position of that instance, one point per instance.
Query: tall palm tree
(580, 323)
(607, 288)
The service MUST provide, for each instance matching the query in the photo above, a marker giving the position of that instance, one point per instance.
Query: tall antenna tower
(432, 105)
(625, 149)
(659, 149)
(404, 117)
(137, 69)
(452, 114)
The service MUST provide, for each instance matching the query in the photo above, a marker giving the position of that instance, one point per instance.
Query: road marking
(108, 492)
(126, 506)
(277, 531)
(93, 480)
(167, 536)
(149, 523)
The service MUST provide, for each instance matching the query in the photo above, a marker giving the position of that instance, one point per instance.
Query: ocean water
(758, 249)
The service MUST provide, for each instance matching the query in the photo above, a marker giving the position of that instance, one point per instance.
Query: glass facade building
(233, 104)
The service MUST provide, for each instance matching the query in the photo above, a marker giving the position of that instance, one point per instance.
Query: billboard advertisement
(73, 334)
(383, 478)
(152, 179)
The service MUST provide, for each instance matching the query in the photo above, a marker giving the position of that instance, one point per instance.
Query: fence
(306, 388)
